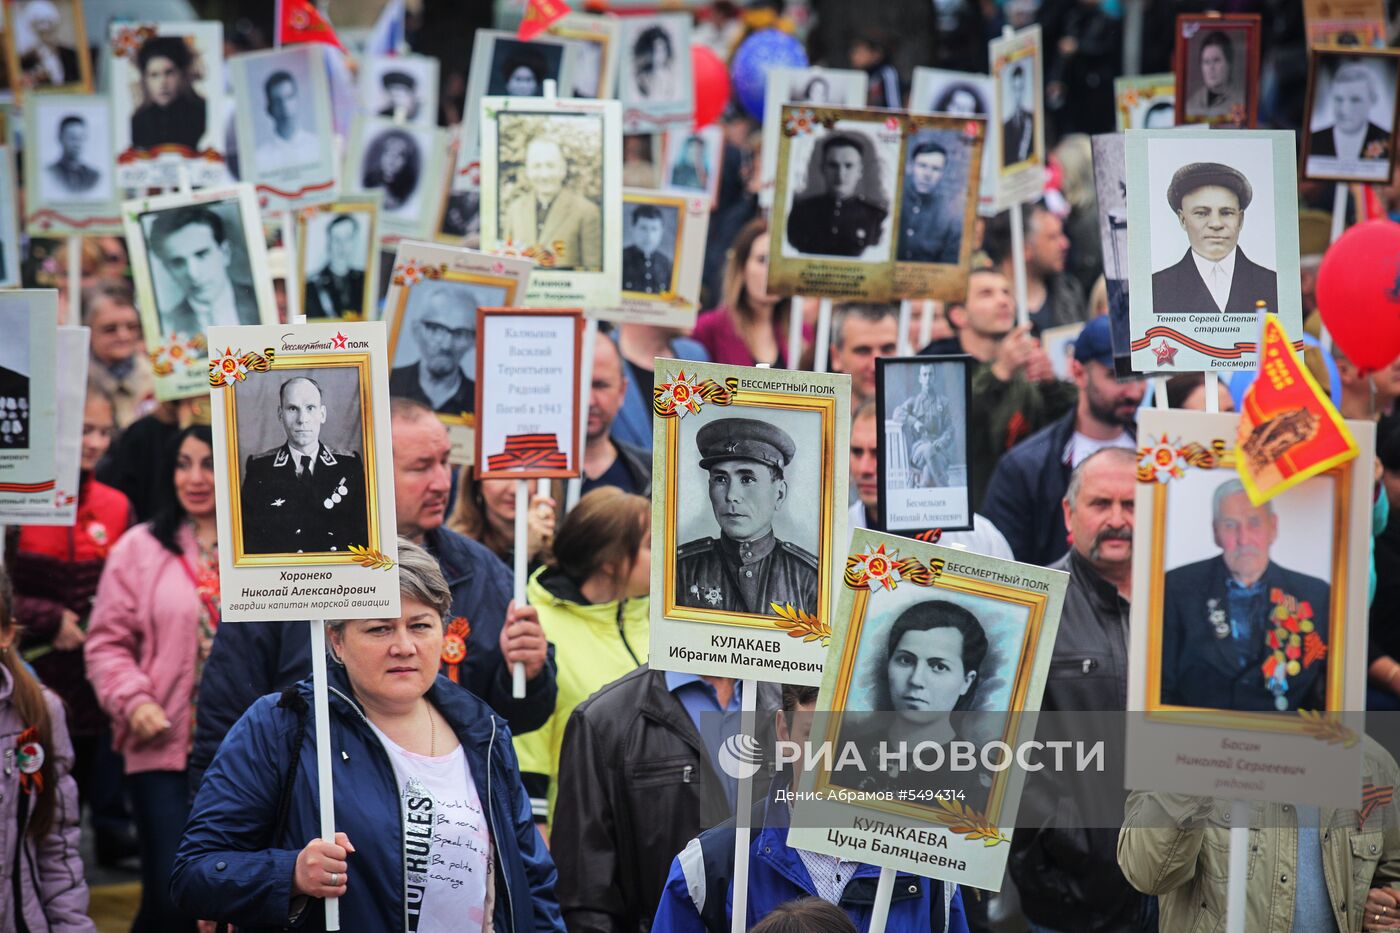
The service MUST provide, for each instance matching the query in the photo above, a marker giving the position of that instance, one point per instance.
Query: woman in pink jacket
(153, 622)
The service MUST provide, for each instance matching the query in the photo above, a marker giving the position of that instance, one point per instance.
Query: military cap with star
(744, 439)
(1203, 174)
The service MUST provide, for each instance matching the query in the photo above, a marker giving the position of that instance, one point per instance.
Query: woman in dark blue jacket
(426, 789)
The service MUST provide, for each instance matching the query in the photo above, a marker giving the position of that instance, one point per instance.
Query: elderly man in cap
(746, 569)
(401, 94)
(1215, 275)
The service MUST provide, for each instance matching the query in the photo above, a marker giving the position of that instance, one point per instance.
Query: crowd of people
(596, 801)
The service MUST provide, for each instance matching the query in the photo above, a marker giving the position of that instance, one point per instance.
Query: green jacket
(1178, 848)
(1005, 413)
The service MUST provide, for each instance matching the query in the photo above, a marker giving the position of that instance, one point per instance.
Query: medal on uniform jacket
(29, 756)
(454, 646)
(1218, 619)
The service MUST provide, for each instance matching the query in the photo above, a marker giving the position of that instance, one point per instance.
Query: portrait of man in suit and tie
(70, 173)
(1018, 129)
(1353, 116)
(1210, 200)
(549, 215)
(194, 251)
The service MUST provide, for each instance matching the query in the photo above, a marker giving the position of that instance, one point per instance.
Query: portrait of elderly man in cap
(842, 209)
(1351, 135)
(400, 95)
(746, 569)
(1215, 275)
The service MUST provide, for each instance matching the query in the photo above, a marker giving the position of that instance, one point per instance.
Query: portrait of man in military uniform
(14, 384)
(648, 255)
(930, 228)
(337, 289)
(69, 173)
(842, 209)
(303, 496)
(1240, 631)
(926, 422)
(746, 569)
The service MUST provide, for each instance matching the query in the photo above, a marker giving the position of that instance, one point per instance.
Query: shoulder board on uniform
(698, 546)
(330, 456)
(278, 456)
(805, 556)
(327, 456)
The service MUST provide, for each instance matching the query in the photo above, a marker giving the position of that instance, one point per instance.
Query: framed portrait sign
(1345, 23)
(1352, 115)
(283, 115)
(167, 87)
(528, 395)
(986, 627)
(1218, 222)
(504, 66)
(28, 397)
(663, 256)
(46, 47)
(198, 260)
(1059, 346)
(654, 80)
(693, 159)
(406, 165)
(748, 515)
(337, 250)
(963, 94)
(815, 87)
(923, 404)
(303, 472)
(61, 507)
(1018, 108)
(551, 191)
(593, 37)
(430, 311)
(941, 169)
(1249, 634)
(1217, 69)
(1111, 190)
(400, 87)
(1145, 102)
(68, 172)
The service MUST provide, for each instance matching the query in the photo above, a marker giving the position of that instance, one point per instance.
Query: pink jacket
(142, 643)
(53, 892)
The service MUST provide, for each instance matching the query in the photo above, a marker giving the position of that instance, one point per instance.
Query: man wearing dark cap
(747, 569)
(1215, 275)
(838, 221)
(401, 90)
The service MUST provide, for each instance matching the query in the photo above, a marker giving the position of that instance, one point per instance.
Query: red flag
(300, 21)
(1289, 430)
(539, 15)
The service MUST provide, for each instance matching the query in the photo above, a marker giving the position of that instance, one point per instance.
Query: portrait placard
(593, 39)
(71, 398)
(9, 225)
(986, 629)
(391, 85)
(1145, 102)
(1019, 110)
(1111, 191)
(923, 404)
(303, 472)
(942, 166)
(1247, 647)
(642, 163)
(1217, 69)
(46, 47)
(748, 515)
(283, 113)
(654, 80)
(198, 260)
(167, 88)
(694, 159)
(663, 257)
(28, 400)
(1059, 346)
(504, 66)
(1344, 23)
(337, 259)
(461, 215)
(68, 171)
(430, 311)
(1214, 217)
(1352, 115)
(561, 159)
(963, 94)
(815, 87)
(528, 394)
(406, 165)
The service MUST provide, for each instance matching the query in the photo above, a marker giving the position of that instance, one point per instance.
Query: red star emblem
(338, 341)
(1166, 354)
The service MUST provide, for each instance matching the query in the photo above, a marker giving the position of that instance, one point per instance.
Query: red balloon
(1358, 293)
(711, 84)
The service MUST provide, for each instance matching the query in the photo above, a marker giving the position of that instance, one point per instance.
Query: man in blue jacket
(699, 895)
(252, 659)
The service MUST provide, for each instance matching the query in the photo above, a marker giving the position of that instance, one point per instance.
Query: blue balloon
(765, 49)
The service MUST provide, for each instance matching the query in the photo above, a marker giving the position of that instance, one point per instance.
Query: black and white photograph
(519, 69)
(461, 215)
(922, 402)
(433, 343)
(1111, 191)
(285, 118)
(841, 186)
(199, 266)
(46, 46)
(550, 172)
(961, 98)
(1217, 69)
(814, 87)
(650, 247)
(14, 376)
(592, 39)
(1018, 112)
(936, 183)
(393, 165)
(301, 447)
(959, 94)
(654, 81)
(401, 87)
(405, 166)
(1351, 115)
(72, 145)
(336, 246)
(1018, 122)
